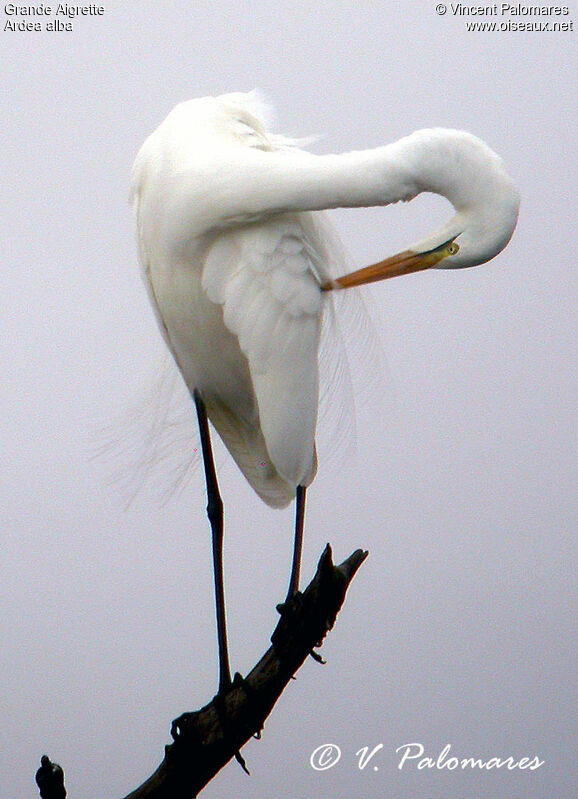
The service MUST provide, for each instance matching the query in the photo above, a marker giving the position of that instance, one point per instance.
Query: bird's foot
(219, 702)
(292, 605)
(187, 722)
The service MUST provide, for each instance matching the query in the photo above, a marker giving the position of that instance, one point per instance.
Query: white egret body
(235, 260)
(237, 266)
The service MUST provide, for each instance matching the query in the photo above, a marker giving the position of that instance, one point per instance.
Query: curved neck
(264, 183)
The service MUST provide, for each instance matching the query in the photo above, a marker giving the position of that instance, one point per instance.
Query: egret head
(481, 228)
(473, 178)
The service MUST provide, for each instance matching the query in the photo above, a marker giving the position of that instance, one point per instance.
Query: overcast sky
(459, 628)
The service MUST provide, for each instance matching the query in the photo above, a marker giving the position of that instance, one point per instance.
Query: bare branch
(205, 740)
(50, 779)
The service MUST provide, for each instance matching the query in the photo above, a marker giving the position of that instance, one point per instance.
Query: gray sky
(459, 628)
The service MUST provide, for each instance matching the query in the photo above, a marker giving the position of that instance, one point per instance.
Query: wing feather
(264, 277)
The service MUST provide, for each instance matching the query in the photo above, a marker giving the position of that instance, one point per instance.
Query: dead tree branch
(205, 740)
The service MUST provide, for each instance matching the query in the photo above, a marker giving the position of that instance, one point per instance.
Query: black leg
(215, 514)
(298, 545)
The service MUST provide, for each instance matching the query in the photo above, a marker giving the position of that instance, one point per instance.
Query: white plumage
(239, 305)
(235, 259)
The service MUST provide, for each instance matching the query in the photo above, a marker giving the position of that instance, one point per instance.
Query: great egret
(236, 267)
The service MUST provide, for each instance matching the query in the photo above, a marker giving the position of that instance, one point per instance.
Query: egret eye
(453, 248)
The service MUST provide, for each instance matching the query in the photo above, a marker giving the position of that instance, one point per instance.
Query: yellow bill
(401, 264)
